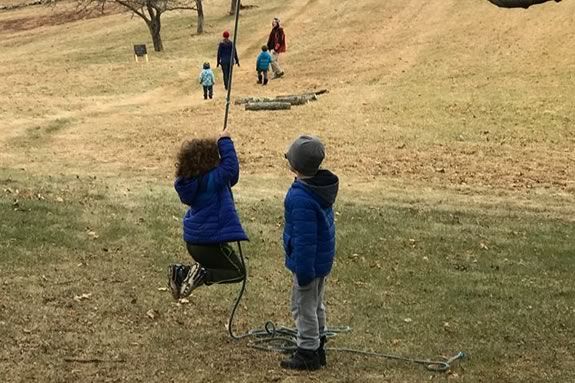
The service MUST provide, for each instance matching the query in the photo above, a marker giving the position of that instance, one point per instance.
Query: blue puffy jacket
(212, 216)
(264, 60)
(309, 231)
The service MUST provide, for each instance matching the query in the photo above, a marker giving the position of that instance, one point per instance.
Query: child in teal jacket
(262, 65)
(207, 80)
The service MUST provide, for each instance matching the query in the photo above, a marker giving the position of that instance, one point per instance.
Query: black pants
(226, 71)
(220, 261)
(208, 91)
(262, 77)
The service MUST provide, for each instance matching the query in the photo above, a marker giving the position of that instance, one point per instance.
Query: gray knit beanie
(305, 155)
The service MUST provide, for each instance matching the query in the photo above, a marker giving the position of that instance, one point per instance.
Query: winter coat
(277, 40)
(225, 52)
(207, 77)
(212, 216)
(309, 231)
(264, 60)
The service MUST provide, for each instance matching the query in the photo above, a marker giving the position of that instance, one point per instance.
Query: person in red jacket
(277, 45)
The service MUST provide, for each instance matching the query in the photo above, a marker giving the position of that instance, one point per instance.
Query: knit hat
(226, 34)
(277, 20)
(206, 65)
(305, 155)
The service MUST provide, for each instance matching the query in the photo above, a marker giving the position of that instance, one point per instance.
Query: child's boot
(265, 81)
(259, 78)
(302, 360)
(177, 273)
(321, 351)
(196, 277)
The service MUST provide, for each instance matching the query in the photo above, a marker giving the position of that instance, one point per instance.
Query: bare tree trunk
(154, 26)
(200, 9)
(233, 7)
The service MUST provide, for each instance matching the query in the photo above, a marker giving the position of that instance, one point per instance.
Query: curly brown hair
(196, 157)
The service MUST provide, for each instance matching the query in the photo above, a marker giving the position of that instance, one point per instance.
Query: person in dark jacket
(309, 245)
(225, 59)
(206, 172)
(277, 45)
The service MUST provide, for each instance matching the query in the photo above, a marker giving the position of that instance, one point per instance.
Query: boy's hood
(324, 186)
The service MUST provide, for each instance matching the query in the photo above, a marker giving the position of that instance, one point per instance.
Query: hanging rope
(228, 96)
(283, 339)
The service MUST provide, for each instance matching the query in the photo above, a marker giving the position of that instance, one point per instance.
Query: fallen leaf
(408, 320)
(162, 289)
(79, 298)
(152, 314)
(92, 234)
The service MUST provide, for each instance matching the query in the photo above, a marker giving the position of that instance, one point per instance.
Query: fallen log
(268, 106)
(294, 99)
(297, 100)
(10, 7)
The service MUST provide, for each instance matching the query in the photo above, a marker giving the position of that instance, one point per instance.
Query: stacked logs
(279, 102)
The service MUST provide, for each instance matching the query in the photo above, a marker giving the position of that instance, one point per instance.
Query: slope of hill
(439, 91)
(449, 122)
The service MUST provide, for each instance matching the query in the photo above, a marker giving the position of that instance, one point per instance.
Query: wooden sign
(140, 51)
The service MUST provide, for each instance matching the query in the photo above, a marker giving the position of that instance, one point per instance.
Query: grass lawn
(450, 126)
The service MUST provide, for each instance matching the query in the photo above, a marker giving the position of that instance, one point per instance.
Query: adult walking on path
(277, 45)
(225, 49)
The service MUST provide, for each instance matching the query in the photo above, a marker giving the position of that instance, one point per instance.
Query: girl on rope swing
(206, 171)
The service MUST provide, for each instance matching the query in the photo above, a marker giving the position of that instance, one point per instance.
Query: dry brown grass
(437, 91)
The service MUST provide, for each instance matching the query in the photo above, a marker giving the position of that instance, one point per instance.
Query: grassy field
(449, 123)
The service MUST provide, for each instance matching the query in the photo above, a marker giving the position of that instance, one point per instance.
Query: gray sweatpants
(308, 312)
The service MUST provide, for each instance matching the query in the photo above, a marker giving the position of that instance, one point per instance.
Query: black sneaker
(302, 360)
(177, 273)
(195, 278)
(321, 351)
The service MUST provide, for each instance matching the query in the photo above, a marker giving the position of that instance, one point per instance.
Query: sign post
(140, 51)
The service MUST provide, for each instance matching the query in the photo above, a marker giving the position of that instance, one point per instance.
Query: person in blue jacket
(263, 65)
(207, 80)
(205, 174)
(309, 245)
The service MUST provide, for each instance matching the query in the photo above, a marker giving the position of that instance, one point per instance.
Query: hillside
(449, 123)
(481, 94)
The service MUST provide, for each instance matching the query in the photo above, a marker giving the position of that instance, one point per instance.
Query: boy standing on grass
(309, 244)
(207, 80)
(263, 65)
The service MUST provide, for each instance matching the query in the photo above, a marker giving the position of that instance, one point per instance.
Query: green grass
(494, 282)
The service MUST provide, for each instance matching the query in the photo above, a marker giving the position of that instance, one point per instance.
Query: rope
(236, 23)
(283, 339)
